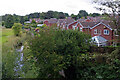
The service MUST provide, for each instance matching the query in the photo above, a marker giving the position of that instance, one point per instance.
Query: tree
(74, 16)
(22, 20)
(55, 50)
(9, 21)
(16, 18)
(82, 13)
(61, 15)
(95, 14)
(17, 29)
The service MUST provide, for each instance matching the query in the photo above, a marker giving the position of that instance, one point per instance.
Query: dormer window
(106, 32)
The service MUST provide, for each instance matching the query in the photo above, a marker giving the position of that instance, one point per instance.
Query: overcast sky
(23, 7)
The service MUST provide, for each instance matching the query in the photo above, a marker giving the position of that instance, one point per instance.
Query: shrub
(17, 27)
(57, 50)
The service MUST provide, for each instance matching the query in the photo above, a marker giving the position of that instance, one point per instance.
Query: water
(18, 63)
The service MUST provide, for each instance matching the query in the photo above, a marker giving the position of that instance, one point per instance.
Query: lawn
(6, 33)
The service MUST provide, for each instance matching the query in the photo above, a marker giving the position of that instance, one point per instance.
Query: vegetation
(6, 34)
(8, 20)
(9, 55)
(17, 27)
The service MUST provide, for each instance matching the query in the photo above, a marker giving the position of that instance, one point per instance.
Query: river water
(18, 64)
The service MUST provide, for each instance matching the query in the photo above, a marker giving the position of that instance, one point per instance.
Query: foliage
(17, 29)
(82, 13)
(74, 16)
(98, 66)
(55, 50)
(9, 21)
(3, 23)
(9, 56)
(95, 14)
(33, 21)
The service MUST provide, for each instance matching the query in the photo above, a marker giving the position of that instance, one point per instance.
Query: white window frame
(73, 27)
(106, 32)
(80, 29)
(95, 31)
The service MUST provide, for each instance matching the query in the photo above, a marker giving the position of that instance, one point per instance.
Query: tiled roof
(89, 24)
(53, 20)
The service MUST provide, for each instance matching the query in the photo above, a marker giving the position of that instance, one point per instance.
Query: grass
(6, 34)
(9, 41)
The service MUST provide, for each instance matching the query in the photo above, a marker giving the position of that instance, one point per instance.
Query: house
(98, 30)
(63, 23)
(37, 20)
(50, 22)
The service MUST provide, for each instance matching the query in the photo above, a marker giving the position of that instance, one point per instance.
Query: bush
(56, 50)
(17, 27)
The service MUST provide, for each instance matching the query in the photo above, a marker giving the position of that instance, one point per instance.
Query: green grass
(6, 34)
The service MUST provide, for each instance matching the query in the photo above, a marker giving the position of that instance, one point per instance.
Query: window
(99, 31)
(95, 31)
(106, 32)
(80, 29)
(74, 27)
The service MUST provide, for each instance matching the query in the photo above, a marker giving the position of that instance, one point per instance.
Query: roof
(89, 24)
(69, 20)
(99, 39)
(53, 20)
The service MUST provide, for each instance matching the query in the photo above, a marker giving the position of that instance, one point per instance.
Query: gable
(101, 24)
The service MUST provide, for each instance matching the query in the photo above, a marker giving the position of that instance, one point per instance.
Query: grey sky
(23, 7)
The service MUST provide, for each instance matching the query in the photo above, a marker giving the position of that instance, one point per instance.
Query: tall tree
(82, 13)
(95, 14)
(61, 15)
(9, 21)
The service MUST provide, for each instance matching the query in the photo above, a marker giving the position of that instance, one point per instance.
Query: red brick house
(99, 29)
(50, 22)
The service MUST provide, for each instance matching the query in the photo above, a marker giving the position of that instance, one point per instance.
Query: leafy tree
(55, 50)
(49, 14)
(9, 21)
(16, 18)
(74, 16)
(82, 13)
(22, 20)
(95, 14)
(17, 29)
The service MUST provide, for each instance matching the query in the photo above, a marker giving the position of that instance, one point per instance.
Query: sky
(23, 7)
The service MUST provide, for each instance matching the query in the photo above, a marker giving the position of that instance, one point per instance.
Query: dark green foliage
(9, 21)
(95, 14)
(55, 50)
(82, 13)
(74, 16)
(3, 23)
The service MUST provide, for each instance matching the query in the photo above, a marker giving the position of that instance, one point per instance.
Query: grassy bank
(7, 34)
